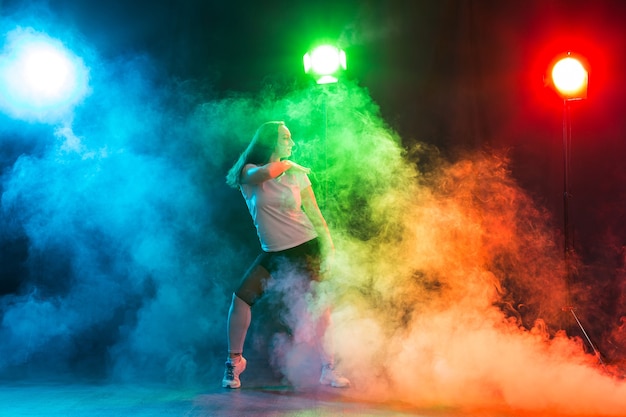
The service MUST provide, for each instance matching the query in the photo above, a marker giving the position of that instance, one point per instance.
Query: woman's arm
(255, 174)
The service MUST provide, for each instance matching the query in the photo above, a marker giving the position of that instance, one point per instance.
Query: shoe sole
(335, 385)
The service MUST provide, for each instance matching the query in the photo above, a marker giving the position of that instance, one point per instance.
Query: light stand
(571, 80)
(325, 63)
(568, 243)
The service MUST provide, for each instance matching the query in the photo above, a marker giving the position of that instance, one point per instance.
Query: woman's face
(284, 143)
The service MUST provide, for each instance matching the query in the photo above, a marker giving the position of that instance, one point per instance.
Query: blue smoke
(121, 241)
(107, 204)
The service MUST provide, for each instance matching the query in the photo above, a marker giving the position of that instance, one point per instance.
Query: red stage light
(570, 78)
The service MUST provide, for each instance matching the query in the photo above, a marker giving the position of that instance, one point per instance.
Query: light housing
(40, 78)
(570, 78)
(325, 63)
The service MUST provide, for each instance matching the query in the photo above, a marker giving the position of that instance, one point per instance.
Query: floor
(89, 400)
(265, 393)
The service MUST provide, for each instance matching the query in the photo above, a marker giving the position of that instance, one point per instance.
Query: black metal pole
(567, 139)
(568, 246)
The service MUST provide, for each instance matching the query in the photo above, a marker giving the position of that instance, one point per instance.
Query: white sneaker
(333, 378)
(232, 372)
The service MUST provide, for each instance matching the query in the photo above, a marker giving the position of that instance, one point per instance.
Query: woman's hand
(328, 260)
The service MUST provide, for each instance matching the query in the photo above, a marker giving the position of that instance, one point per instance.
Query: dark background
(457, 74)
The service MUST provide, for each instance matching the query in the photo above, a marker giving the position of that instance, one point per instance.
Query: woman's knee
(251, 287)
(239, 303)
(244, 297)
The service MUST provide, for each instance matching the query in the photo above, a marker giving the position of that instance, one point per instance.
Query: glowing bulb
(325, 62)
(570, 78)
(40, 79)
(47, 72)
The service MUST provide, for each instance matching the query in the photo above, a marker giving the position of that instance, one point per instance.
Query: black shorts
(306, 255)
(305, 258)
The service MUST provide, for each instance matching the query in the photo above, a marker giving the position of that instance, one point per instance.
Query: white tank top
(276, 209)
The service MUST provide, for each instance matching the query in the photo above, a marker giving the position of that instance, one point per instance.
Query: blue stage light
(40, 79)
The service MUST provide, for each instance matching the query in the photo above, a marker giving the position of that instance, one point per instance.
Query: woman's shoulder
(300, 178)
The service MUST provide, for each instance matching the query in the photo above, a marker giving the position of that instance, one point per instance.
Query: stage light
(47, 73)
(325, 63)
(570, 78)
(39, 77)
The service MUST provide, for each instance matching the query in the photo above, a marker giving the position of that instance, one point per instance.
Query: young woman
(291, 229)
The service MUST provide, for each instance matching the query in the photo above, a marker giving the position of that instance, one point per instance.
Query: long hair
(258, 152)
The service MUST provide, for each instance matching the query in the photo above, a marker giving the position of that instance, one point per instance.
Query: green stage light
(325, 63)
